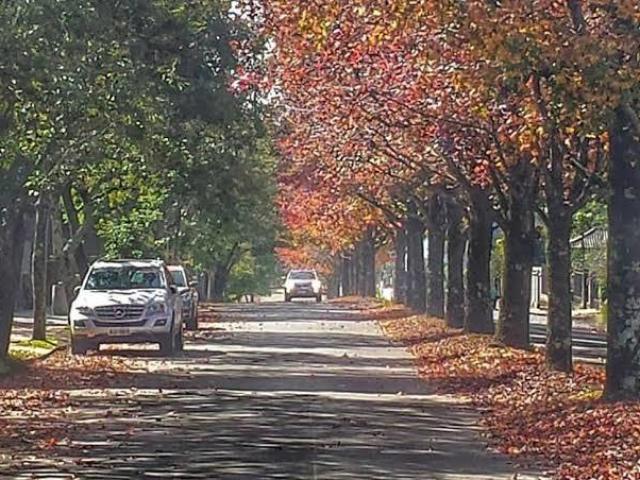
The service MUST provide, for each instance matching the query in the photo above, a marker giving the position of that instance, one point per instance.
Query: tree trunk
(435, 257)
(79, 255)
(357, 271)
(559, 324)
(210, 276)
(478, 303)
(92, 244)
(353, 277)
(513, 321)
(585, 288)
(39, 269)
(368, 265)
(333, 282)
(8, 292)
(11, 241)
(219, 283)
(416, 281)
(623, 284)
(456, 243)
(400, 267)
(346, 285)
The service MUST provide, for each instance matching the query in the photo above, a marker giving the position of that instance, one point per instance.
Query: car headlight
(317, 285)
(79, 315)
(289, 285)
(83, 311)
(156, 309)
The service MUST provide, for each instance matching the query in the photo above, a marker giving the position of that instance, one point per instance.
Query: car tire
(287, 298)
(80, 347)
(178, 342)
(168, 343)
(319, 299)
(192, 321)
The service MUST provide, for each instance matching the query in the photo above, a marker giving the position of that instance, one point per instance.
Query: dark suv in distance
(302, 284)
(187, 287)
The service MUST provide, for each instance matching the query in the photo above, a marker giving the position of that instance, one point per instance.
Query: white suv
(302, 284)
(126, 301)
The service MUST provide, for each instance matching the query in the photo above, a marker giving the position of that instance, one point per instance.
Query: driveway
(269, 391)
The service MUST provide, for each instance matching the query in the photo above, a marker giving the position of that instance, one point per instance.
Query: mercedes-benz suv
(126, 301)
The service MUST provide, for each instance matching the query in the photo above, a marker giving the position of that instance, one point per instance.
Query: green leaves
(127, 105)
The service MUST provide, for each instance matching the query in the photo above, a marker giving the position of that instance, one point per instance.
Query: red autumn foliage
(370, 308)
(531, 413)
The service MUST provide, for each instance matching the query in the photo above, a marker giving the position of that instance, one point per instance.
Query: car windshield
(302, 276)
(124, 278)
(178, 278)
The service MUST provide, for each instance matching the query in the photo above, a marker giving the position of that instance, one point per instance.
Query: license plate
(118, 332)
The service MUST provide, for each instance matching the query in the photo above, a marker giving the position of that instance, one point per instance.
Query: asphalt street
(269, 391)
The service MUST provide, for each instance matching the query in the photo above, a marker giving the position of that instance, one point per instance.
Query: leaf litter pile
(535, 415)
(35, 405)
(36, 408)
(369, 308)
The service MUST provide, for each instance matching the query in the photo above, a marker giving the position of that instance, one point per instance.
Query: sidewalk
(23, 327)
(589, 318)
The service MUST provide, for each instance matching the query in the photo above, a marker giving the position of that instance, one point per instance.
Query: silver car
(127, 301)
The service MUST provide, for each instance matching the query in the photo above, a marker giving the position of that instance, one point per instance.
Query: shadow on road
(326, 399)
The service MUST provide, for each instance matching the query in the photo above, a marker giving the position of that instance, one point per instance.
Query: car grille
(119, 313)
(119, 323)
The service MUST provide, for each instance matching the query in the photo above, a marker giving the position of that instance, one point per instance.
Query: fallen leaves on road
(34, 399)
(531, 413)
(207, 313)
(356, 303)
(370, 308)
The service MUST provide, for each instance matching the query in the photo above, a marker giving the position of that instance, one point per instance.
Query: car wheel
(319, 299)
(287, 298)
(192, 321)
(168, 343)
(178, 341)
(79, 347)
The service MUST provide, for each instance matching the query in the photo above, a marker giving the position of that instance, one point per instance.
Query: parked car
(126, 301)
(189, 291)
(302, 284)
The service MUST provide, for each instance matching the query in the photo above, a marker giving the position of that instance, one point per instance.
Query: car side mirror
(76, 290)
(173, 289)
(193, 283)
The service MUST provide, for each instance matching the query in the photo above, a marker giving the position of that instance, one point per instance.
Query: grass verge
(27, 350)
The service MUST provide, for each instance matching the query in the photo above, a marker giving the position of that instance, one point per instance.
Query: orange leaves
(531, 413)
(375, 97)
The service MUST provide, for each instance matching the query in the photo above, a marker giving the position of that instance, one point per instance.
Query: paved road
(589, 345)
(273, 391)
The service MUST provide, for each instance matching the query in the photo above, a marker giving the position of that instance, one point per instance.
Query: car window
(302, 276)
(124, 278)
(179, 278)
